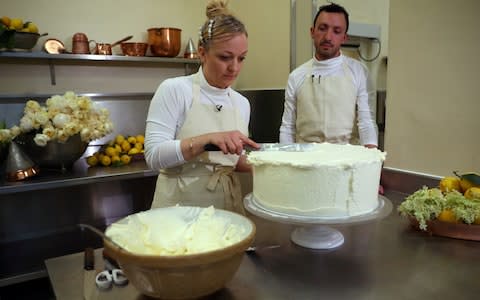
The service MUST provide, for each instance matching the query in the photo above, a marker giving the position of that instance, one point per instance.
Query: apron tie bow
(230, 182)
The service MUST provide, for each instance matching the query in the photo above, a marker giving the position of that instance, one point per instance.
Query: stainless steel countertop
(79, 174)
(382, 259)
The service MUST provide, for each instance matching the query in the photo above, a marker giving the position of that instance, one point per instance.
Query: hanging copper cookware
(164, 41)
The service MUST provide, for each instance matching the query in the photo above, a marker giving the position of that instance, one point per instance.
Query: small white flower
(41, 117)
(41, 139)
(71, 128)
(15, 130)
(85, 135)
(5, 135)
(32, 105)
(60, 120)
(50, 132)
(62, 136)
(26, 124)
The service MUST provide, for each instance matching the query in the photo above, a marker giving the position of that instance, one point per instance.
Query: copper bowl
(134, 49)
(164, 41)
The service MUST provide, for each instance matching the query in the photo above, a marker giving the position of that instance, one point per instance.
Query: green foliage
(424, 205)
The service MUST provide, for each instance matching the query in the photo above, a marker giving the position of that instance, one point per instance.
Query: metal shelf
(26, 57)
(93, 57)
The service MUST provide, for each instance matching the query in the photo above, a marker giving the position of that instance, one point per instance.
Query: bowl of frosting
(180, 252)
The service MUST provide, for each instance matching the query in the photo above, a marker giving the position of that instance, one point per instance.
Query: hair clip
(210, 26)
(200, 35)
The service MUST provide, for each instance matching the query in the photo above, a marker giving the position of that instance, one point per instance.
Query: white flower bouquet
(62, 117)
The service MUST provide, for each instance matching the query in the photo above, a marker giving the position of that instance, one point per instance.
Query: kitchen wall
(433, 102)
(267, 65)
(268, 23)
(431, 126)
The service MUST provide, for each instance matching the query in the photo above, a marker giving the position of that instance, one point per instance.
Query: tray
(451, 230)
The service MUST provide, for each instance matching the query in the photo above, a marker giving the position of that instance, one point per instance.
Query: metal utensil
(270, 147)
(88, 272)
(255, 248)
(101, 234)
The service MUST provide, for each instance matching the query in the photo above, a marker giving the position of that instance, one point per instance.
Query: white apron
(326, 109)
(209, 179)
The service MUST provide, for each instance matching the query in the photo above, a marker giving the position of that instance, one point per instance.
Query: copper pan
(164, 41)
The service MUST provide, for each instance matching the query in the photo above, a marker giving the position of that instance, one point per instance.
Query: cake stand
(315, 232)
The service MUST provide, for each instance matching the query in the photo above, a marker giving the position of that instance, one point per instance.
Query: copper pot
(134, 49)
(81, 44)
(164, 41)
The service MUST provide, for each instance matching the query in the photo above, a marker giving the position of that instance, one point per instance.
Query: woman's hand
(229, 142)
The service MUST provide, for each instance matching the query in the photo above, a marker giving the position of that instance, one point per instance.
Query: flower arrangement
(61, 117)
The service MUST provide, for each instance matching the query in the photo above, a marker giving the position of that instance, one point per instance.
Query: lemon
(115, 159)
(472, 193)
(139, 146)
(125, 159)
(449, 184)
(118, 148)
(132, 140)
(468, 180)
(92, 161)
(133, 151)
(447, 215)
(32, 27)
(140, 139)
(465, 184)
(111, 151)
(6, 21)
(16, 24)
(106, 160)
(119, 139)
(126, 146)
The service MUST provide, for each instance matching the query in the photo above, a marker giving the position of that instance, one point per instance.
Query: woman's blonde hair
(220, 24)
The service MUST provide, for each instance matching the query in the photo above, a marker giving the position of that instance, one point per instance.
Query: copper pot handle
(122, 40)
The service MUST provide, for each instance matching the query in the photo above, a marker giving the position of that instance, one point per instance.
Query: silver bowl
(54, 155)
(3, 151)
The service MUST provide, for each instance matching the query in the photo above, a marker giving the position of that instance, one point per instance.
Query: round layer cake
(326, 180)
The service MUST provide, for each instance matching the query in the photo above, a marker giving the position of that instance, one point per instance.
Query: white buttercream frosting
(328, 180)
(166, 232)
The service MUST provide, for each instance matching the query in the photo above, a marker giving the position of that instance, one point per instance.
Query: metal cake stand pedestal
(315, 232)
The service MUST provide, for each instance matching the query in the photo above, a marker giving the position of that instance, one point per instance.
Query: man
(326, 99)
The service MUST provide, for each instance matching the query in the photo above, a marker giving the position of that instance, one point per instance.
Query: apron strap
(230, 182)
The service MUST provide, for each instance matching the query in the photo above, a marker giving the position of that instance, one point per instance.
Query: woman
(189, 112)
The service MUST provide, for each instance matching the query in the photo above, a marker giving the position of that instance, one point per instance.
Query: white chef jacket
(167, 112)
(367, 127)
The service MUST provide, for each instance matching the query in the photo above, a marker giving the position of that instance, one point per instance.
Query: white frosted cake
(326, 180)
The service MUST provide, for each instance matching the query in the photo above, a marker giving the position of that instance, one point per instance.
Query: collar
(204, 85)
(331, 63)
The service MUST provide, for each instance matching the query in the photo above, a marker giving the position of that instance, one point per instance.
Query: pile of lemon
(18, 25)
(468, 184)
(118, 152)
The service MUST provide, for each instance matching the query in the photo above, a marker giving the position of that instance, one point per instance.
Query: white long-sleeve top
(167, 112)
(367, 127)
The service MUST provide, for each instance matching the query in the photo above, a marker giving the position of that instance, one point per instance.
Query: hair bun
(217, 8)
